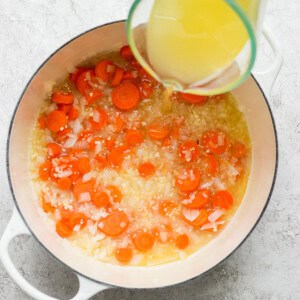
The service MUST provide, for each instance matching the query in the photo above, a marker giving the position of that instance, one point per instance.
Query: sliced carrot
(194, 99)
(117, 77)
(84, 165)
(44, 170)
(198, 199)
(119, 124)
(73, 76)
(101, 122)
(214, 141)
(212, 165)
(146, 169)
(238, 150)
(66, 213)
(188, 180)
(133, 137)
(157, 131)
(83, 82)
(101, 161)
(166, 142)
(115, 224)
(64, 183)
(93, 96)
(124, 255)
(85, 135)
(62, 136)
(64, 107)
(130, 75)
(125, 96)
(199, 220)
(116, 156)
(101, 199)
(62, 98)
(188, 151)
(42, 122)
(63, 230)
(110, 143)
(146, 88)
(47, 206)
(182, 241)
(104, 70)
(73, 113)
(82, 189)
(167, 207)
(114, 193)
(77, 219)
(144, 241)
(53, 149)
(126, 52)
(222, 199)
(56, 120)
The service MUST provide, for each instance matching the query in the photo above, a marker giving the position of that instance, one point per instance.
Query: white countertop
(267, 265)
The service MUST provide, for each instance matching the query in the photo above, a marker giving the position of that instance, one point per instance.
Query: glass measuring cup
(216, 81)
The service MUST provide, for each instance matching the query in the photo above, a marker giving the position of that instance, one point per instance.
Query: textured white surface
(267, 265)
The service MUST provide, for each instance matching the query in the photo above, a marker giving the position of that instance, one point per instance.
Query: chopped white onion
(215, 215)
(190, 214)
(85, 197)
(220, 140)
(70, 142)
(219, 185)
(96, 116)
(87, 177)
(76, 126)
(232, 170)
(64, 174)
(134, 73)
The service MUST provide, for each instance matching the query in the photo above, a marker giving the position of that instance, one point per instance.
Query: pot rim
(52, 254)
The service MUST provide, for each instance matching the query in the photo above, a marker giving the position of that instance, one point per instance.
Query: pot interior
(261, 128)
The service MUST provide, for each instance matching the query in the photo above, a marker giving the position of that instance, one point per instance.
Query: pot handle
(268, 77)
(16, 226)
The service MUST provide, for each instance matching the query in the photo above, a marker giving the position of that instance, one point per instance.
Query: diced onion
(85, 197)
(219, 184)
(70, 142)
(190, 214)
(215, 215)
(96, 116)
(110, 68)
(64, 174)
(87, 177)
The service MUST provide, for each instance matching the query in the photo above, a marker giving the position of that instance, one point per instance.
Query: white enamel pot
(94, 275)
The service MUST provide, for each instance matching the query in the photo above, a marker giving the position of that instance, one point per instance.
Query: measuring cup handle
(267, 78)
(16, 226)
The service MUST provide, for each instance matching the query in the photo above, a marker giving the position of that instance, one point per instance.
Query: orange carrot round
(126, 52)
(193, 99)
(124, 255)
(214, 142)
(144, 241)
(84, 165)
(238, 150)
(64, 183)
(167, 207)
(146, 169)
(44, 170)
(133, 137)
(125, 96)
(157, 131)
(53, 149)
(188, 151)
(63, 230)
(222, 199)
(62, 98)
(197, 200)
(115, 193)
(101, 199)
(104, 70)
(182, 241)
(77, 219)
(56, 120)
(188, 180)
(117, 77)
(73, 113)
(115, 224)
